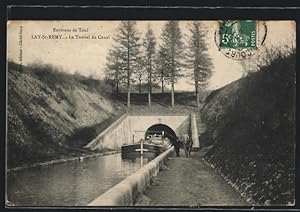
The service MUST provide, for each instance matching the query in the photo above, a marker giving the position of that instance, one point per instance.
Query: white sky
(88, 56)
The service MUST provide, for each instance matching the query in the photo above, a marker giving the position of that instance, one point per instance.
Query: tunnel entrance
(161, 130)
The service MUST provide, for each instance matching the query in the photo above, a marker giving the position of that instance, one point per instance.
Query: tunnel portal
(161, 129)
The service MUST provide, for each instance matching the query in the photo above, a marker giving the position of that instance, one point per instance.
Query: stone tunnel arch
(158, 128)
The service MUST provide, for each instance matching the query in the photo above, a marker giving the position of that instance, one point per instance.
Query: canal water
(73, 183)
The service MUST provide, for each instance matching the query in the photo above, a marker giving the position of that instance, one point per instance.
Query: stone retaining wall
(113, 137)
(126, 192)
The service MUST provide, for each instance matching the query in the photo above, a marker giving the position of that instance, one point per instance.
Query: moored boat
(149, 148)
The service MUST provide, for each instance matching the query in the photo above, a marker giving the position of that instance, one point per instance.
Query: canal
(73, 183)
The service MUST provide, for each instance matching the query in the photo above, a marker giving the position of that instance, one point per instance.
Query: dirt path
(191, 182)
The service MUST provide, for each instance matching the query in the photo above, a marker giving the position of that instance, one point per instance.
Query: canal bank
(189, 182)
(83, 169)
(63, 160)
(73, 183)
(128, 191)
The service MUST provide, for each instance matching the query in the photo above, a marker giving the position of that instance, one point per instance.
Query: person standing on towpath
(176, 143)
(187, 145)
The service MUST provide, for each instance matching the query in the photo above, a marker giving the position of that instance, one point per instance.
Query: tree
(162, 67)
(172, 52)
(149, 47)
(197, 58)
(128, 44)
(114, 70)
(265, 57)
(140, 73)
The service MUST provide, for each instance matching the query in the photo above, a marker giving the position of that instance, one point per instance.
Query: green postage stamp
(239, 39)
(238, 34)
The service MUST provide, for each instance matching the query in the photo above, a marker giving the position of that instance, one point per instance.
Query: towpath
(190, 182)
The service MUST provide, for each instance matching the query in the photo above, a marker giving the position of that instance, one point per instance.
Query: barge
(148, 148)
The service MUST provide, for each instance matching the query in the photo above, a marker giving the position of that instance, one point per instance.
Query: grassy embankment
(51, 114)
(251, 122)
(161, 103)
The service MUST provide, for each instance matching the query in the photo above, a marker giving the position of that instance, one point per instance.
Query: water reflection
(74, 183)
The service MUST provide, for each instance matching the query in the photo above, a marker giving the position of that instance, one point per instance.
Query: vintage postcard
(164, 113)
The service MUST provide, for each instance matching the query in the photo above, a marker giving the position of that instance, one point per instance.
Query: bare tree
(265, 56)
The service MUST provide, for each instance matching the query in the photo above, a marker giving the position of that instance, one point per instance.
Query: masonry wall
(114, 136)
(129, 128)
(140, 124)
(127, 191)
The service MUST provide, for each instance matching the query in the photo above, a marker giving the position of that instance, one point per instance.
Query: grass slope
(251, 122)
(52, 114)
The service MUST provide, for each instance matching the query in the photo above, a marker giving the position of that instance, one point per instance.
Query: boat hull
(133, 150)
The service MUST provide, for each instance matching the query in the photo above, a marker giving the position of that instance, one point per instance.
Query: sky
(26, 44)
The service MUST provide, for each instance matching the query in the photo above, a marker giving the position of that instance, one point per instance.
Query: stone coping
(126, 192)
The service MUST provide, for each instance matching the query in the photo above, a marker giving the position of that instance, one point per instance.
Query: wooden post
(142, 147)
(194, 132)
(141, 150)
